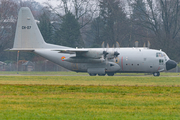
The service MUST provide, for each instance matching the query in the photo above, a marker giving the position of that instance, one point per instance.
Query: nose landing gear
(110, 74)
(156, 74)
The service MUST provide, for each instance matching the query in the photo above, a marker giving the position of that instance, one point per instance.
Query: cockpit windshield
(161, 55)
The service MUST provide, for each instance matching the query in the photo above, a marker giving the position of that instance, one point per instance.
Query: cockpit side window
(159, 54)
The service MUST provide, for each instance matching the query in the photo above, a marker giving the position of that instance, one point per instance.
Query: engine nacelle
(95, 54)
(83, 60)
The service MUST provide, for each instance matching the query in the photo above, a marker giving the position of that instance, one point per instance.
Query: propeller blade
(149, 44)
(136, 44)
(117, 45)
(107, 45)
(144, 45)
(102, 45)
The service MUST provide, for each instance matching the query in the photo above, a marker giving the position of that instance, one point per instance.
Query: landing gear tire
(156, 74)
(101, 74)
(92, 74)
(110, 74)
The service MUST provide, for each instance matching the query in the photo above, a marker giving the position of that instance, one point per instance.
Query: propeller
(144, 45)
(117, 45)
(148, 44)
(105, 53)
(116, 54)
(102, 44)
(113, 54)
(107, 45)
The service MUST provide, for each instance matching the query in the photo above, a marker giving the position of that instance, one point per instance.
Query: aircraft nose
(170, 64)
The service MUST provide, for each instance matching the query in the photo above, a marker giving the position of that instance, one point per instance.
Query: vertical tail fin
(28, 37)
(27, 34)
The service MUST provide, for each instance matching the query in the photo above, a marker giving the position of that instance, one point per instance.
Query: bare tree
(84, 10)
(161, 18)
(8, 18)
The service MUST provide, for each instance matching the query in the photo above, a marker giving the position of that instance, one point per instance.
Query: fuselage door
(74, 66)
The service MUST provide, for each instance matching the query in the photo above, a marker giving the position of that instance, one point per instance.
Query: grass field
(86, 98)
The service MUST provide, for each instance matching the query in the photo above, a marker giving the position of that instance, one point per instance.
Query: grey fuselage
(130, 60)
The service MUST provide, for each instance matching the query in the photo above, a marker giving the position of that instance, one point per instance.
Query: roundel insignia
(62, 58)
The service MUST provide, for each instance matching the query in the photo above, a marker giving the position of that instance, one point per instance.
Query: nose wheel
(156, 74)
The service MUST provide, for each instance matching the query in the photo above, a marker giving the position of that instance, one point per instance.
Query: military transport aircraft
(95, 61)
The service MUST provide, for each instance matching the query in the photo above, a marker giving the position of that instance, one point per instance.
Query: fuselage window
(161, 62)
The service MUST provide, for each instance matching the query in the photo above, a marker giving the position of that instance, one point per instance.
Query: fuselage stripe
(158, 68)
(122, 63)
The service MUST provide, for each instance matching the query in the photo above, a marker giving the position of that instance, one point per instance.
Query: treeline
(88, 23)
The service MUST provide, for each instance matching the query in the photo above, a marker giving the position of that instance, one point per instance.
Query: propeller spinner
(116, 54)
(105, 54)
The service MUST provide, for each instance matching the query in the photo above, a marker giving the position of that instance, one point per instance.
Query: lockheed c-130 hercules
(95, 61)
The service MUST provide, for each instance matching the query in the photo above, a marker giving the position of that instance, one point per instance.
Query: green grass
(87, 98)
(89, 102)
(89, 80)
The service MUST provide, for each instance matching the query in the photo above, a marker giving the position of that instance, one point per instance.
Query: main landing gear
(92, 74)
(109, 74)
(156, 74)
(101, 74)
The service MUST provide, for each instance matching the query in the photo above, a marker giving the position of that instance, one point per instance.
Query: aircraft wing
(87, 53)
(72, 51)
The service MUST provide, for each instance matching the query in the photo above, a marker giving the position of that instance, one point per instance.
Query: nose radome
(170, 64)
